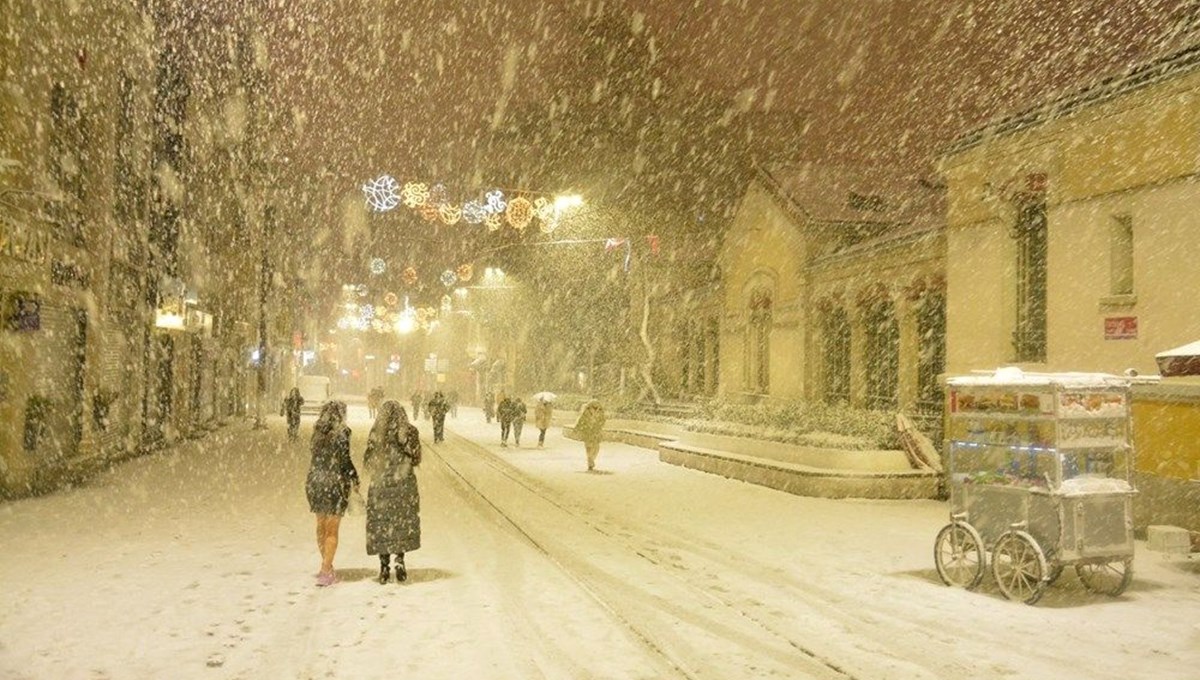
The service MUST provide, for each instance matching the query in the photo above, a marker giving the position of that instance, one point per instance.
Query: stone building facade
(115, 337)
(834, 289)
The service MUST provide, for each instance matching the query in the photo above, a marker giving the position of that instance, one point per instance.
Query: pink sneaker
(327, 578)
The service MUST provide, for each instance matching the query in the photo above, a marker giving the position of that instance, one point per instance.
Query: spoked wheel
(1109, 578)
(1019, 567)
(958, 554)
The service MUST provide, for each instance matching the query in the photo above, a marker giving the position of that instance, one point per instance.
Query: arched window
(758, 343)
(1029, 232)
(836, 333)
(883, 355)
(931, 340)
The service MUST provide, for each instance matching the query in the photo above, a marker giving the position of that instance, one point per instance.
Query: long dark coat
(393, 501)
(331, 473)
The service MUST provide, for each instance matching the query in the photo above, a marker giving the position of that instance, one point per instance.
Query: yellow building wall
(764, 246)
(1137, 155)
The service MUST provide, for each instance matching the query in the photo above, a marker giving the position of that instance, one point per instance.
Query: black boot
(384, 567)
(401, 572)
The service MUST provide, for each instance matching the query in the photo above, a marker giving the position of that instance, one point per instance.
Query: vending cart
(1039, 472)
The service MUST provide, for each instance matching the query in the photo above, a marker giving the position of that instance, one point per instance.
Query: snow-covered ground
(199, 563)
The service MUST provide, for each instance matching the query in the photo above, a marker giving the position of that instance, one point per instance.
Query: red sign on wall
(1120, 328)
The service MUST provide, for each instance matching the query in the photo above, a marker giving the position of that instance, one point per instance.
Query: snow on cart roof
(1012, 376)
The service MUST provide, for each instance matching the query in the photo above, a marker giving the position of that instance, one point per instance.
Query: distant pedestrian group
(511, 413)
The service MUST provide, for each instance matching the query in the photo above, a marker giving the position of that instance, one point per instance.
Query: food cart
(1039, 476)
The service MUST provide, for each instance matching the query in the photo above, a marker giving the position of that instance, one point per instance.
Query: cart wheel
(1019, 567)
(1110, 578)
(958, 554)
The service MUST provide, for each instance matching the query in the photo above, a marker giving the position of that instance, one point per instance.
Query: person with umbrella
(542, 411)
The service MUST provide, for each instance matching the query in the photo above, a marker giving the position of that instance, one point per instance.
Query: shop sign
(22, 243)
(1121, 328)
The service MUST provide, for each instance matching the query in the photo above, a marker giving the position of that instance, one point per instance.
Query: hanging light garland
(494, 209)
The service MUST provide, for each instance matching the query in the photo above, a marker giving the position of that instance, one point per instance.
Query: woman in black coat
(331, 478)
(291, 408)
(393, 500)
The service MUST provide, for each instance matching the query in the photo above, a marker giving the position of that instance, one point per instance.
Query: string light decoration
(493, 221)
(378, 266)
(449, 278)
(519, 213)
(495, 203)
(415, 194)
(465, 272)
(549, 224)
(390, 299)
(450, 213)
(428, 212)
(381, 193)
(543, 209)
(409, 276)
(438, 195)
(474, 212)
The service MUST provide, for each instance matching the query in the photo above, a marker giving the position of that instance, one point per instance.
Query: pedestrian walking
(589, 427)
(291, 409)
(437, 408)
(504, 413)
(374, 399)
(489, 406)
(452, 398)
(331, 478)
(393, 498)
(518, 420)
(542, 411)
(417, 399)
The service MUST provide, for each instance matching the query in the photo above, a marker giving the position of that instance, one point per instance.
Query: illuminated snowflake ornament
(543, 208)
(465, 272)
(450, 213)
(415, 194)
(495, 202)
(474, 212)
(409, 276)
(378, 266)
(493, 221)
(449, 278)
(391, 300)
(438, 195)
(381, 193)
(519, 213)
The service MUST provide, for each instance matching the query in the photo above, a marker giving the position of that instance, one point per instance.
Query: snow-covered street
(199, 563)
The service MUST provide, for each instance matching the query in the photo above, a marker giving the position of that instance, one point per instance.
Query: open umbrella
(545, 396)
(1184, 360)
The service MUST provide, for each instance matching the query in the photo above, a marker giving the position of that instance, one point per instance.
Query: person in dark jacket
(291, 408)
(437, 408)
(489, 406)
(505, 411)
(418, 398)
(518, 420)
(331, 478)
(393, 500)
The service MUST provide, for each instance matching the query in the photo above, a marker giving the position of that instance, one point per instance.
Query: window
(931, 331)
(1029, 232)
(883, 356)
(1120, 255)
(68, 140)
(758, 343)
(837, 356)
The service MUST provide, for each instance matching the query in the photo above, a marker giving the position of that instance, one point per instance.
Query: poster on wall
(23, 312)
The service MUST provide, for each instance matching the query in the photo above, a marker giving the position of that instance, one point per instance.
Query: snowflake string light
(465, 272)
(474, 212)
(428, 212)
(519, 213)
(495, 202)
(449, 278)
(550, 224)
(367, 312)
(450, 213)
(409, 276)
(378, 266)
(543, 208)
(390, 299)
(493, 221)
(446, 304)
(381, 193)
(438, 195)
(415, 194)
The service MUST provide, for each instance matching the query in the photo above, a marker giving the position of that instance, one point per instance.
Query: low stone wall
(802, 470)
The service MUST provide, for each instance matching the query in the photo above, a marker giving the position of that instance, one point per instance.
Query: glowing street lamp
(568, 201)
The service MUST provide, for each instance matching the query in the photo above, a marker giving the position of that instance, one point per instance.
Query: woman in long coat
(291, 408)
(331, 477)
(590, 427)
(393, 500)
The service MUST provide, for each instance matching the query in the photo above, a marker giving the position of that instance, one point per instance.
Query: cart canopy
(1183, 360)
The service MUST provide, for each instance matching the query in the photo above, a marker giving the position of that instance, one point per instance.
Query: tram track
(723, 619)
